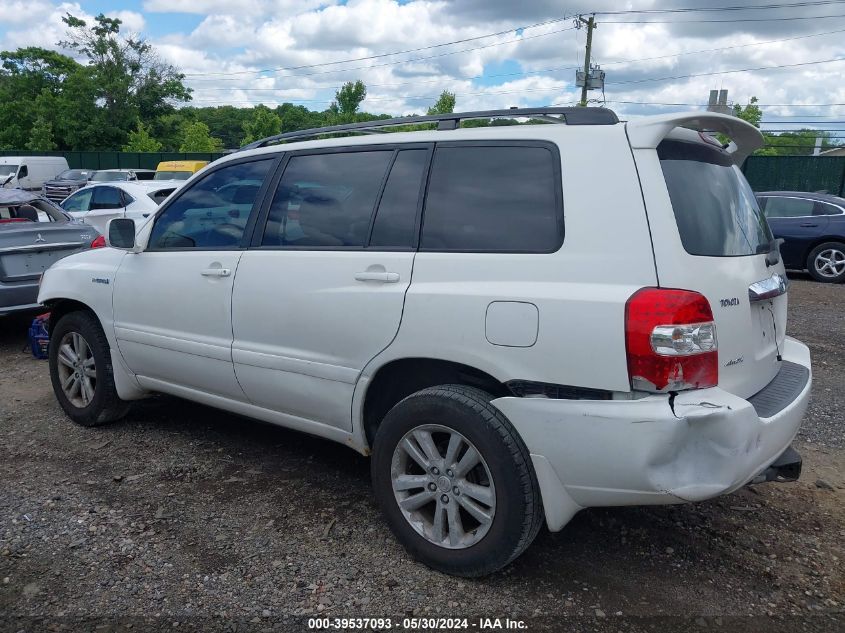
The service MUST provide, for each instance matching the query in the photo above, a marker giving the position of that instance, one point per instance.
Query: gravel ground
(183, 516)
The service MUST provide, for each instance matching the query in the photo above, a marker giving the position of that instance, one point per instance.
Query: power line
(727, 72)
(412, 50)
(534, 72)
(786, 5)
(702, 21)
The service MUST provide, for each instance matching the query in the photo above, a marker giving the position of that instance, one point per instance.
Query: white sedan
(98, 203)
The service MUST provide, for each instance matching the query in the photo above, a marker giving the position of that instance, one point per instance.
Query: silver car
(34, 233)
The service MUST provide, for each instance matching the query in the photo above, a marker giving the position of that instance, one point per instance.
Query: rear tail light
(99, 242)
(671, 340)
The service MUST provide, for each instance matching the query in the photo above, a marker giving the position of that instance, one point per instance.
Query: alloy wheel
(443, 486)
(77, 370)
(830, 263)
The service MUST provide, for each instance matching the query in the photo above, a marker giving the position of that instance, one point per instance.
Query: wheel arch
(399, 378)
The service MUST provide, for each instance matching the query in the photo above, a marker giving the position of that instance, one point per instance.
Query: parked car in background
(178, 169)
(34, 234)
(812, 226)
(117, 175)
(66, 183)
(596, 316)
(30, 172)
(98, 203)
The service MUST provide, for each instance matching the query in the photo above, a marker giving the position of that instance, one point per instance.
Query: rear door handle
(387, 278)
(808, 225)
(216, 272)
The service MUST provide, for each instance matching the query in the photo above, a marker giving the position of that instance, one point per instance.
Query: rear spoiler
(647, 132)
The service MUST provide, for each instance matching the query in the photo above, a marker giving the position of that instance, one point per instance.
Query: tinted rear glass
(493, 199)
(715, 209)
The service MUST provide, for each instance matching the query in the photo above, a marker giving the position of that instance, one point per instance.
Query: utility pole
(591, 24)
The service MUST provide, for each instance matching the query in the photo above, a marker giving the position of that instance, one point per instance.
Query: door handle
(216, 272)
(808, 225)
(388, 278)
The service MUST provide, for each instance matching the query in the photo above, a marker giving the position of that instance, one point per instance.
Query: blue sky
(514, 54)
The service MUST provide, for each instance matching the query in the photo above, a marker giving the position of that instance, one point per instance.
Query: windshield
(7, 170)
(715, 209)
(173, 175)
(110, 176)
(74, 174)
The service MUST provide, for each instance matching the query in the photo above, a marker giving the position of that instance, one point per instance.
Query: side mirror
(120, 234)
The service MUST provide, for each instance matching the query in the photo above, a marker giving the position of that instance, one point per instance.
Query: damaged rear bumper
(655, 451)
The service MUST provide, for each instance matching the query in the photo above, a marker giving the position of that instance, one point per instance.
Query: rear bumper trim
(784, 389)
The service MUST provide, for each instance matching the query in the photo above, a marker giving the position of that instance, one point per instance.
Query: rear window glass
(493, 199)
(715, 209)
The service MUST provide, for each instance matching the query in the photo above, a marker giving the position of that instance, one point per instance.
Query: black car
(812, 226)
(66, 183)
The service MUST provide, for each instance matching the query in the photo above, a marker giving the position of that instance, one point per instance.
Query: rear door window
(396, 219)
(493, 198)
(80, 201)
(326, 200)
(715, 210)
(782, 207)
(107, 198)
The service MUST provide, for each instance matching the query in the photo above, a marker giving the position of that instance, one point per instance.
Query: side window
(106, 198)
(395, 221)
(126, 199)
(80, 201)
(326, 199)
(823, 208)
(777, 207)
(23, 172)
(201, 218)
(493, 199)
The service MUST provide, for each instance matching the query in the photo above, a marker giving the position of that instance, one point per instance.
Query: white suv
(517, 322)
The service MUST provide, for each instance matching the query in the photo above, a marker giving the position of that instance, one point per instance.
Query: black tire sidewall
(90, 330)
(503, 539)
(811, 263)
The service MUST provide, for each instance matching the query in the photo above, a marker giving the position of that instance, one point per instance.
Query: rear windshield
(110, 176)
(716, 211)
(173, 175)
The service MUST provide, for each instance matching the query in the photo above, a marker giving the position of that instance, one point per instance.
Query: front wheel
(455, 481)
(81, 371)
(826, 262)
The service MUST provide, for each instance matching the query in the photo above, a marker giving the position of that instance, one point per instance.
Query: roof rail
(570, 116)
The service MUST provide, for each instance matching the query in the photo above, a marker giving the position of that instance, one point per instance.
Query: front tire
(826, 262)
(81, 371)
(455, 482)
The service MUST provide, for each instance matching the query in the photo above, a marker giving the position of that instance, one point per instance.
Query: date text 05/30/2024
(416, 624)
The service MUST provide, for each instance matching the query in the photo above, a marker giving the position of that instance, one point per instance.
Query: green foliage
(445, 104)
(348, 99)
(750, 113)
(262, 123)
(798, 143)
(141, 141)
(196, 137)
(41, 136)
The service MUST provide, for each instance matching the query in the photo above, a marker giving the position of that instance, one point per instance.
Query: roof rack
(569, 116)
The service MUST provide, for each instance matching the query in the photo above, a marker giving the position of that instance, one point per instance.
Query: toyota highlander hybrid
(515, 322)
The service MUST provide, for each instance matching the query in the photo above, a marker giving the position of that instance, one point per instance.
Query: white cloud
(237, 38)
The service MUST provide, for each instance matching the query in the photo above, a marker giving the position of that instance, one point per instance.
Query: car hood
(66, 183)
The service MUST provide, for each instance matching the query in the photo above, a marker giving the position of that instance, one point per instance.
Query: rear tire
(826, 262)
(81, 371)
(471, 520)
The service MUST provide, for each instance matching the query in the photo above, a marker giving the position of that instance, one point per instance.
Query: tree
(751, 112)
(348, 99)
(263, 123)
(196, 137)
(445, 104)
(41, 136)
(131, 81)
(141, 141)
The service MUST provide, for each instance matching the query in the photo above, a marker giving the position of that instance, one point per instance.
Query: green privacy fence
(796, 173)
(118, 160)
